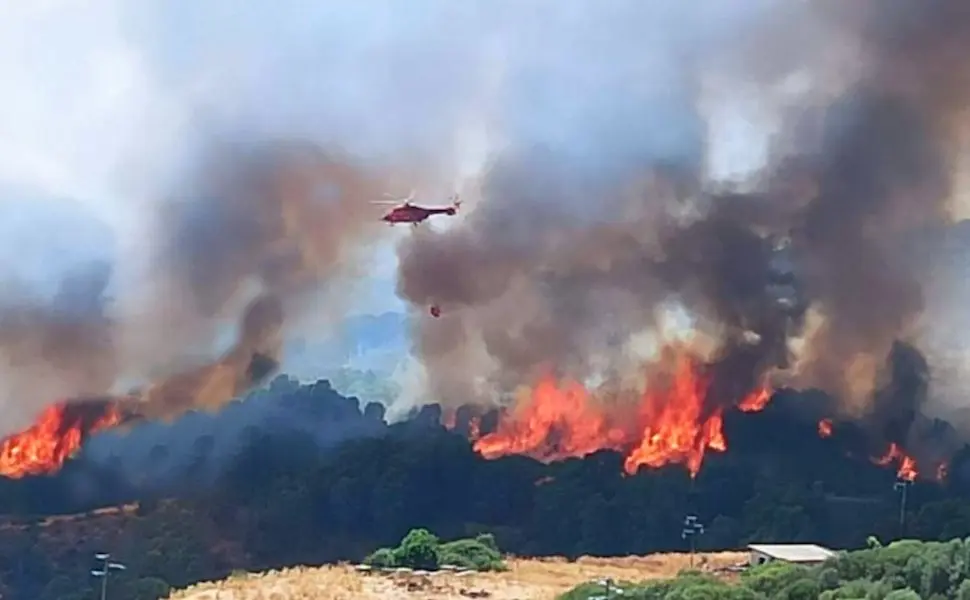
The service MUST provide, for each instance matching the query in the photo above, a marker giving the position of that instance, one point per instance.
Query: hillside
(526, 579)
(327, 481)
(50, 557)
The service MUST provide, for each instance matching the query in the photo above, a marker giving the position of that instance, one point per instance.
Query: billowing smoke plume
(248, 219)
(171, 135)
(574, 248)
(57, 348)
(599, 226)
(274, 222)
(256, 230)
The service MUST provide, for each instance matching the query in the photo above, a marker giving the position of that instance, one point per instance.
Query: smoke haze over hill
(576, 249)
(238, 151)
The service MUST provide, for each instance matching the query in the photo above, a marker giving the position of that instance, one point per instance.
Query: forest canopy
(314, 477)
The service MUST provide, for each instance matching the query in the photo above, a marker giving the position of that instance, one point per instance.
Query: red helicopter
(405, 212)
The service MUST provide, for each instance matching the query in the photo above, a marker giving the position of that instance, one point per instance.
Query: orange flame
(553, 422)
(674, 426)
(669, 425)
(907, 464)
(56, 435)
(907, 467)
(756, 400)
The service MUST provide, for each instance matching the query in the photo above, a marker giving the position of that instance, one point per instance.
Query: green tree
(904, 594)
(963, 592)
(772, 578)
(803, 589)
(418, 550)
(479, 554)
(382, 558)
(65, 587)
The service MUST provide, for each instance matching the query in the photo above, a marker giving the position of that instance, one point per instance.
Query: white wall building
(803, 554)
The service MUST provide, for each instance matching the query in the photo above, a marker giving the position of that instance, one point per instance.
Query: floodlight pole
(692, 528)
(106, 568)
(902, 486)
(607, 584)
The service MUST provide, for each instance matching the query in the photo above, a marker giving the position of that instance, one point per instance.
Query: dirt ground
(526, 579)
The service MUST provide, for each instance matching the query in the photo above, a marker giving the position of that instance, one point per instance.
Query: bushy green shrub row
(420, 549)
(903, 570)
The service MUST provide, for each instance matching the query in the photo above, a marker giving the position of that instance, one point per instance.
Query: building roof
(794, 552)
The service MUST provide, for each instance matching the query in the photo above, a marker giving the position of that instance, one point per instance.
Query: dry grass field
(526, 579)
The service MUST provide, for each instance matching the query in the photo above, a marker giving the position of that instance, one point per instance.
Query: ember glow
(756, 400)
(907, 465)
(670, 423)
(825, 428)
(56, 435)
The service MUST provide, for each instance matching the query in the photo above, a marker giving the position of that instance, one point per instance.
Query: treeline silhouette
(314, 477)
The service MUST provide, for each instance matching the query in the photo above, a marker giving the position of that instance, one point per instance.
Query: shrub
(472, 554)
(418, 550)
(382, 558)
(904, 594)
(773, 577)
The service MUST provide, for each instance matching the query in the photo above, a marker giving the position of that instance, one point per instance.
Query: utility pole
(607, 584)
(692, 528)
(105, 570)
(902, 486)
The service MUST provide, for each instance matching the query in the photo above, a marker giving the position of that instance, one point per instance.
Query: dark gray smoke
(409, 87)
(569, 253)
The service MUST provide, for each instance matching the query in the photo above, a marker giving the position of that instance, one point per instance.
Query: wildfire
(756, 400)
(674, 426)
(907, 469)
(56, 435)
(671, 423)
(553, 421)
(907, 465)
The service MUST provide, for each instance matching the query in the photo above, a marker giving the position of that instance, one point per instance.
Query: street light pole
(609, 588)
(692, 528)
(901, 486)
(105, 570)
(607, 585)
